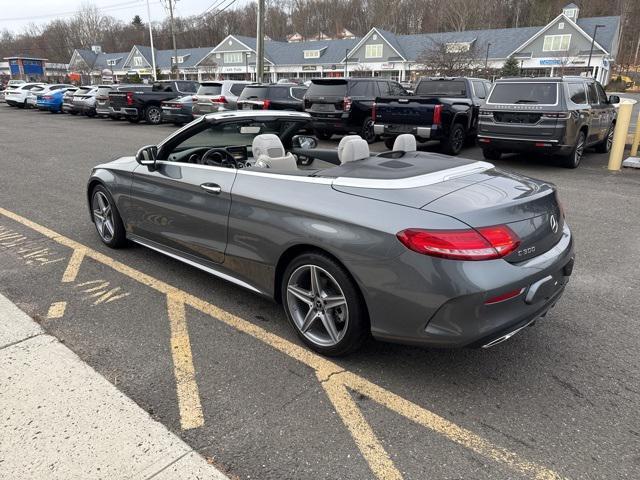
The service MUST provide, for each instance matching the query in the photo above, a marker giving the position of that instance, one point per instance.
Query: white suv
(216, 96)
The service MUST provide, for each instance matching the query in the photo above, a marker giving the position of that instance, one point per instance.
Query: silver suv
(216, 96)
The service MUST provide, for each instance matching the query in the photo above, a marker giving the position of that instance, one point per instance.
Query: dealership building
(568, 45)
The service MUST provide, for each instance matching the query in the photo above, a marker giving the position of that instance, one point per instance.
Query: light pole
(486, 60)
(593, 40)
(260, 43)
(346, 63)
(153, 53)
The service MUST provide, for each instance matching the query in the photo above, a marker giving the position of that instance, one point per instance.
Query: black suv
(560, 116)
(344, 105)
(272, 97)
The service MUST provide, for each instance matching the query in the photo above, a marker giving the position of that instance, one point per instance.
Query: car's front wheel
(324, 305)
(106, 218)
(153, 115)
(367, 130)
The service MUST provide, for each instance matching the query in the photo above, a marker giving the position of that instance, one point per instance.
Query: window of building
(571, 12)
(312, 54)
(233, 57)
(374, 51)
(111, 62)
(577, 93)
(556, 43)
(457, 47)
(561, 26)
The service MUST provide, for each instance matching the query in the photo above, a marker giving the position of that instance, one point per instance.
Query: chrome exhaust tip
(507, 336)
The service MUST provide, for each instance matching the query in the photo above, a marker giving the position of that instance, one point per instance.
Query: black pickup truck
(137, 104)
(443, 109)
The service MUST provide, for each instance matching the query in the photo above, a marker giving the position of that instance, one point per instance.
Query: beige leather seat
(270, 153)
(354, 149)
(405, 143)
(343, 142)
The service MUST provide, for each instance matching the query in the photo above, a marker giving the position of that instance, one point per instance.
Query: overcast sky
(16, 14)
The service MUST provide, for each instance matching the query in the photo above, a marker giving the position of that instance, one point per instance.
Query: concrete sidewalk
(60, 419)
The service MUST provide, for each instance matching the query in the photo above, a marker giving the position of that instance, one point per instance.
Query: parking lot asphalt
(222, 368)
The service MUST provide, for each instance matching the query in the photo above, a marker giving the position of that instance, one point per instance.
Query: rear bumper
(198, 110)
(69, 108)
(448, 309)
(431, 132)
(176, 117)
(103, 111)
(338, 124)
(523, 145)
(124, 111)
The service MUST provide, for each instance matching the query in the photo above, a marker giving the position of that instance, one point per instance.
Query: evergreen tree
(511, 68)
(137, 21)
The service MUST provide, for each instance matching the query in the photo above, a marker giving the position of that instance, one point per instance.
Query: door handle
(211, 188)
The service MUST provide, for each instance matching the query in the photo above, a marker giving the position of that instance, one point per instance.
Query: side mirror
(304, 141)
(614, 99)
(147, 155)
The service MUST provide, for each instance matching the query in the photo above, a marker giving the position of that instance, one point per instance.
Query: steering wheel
(218, 157)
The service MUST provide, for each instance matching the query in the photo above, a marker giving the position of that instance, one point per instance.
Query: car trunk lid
(529, 207)
(326, 96)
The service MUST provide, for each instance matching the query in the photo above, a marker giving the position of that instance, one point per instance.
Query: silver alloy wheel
(577, 155)
(103, 216)
(317, 305)
(154, 115)
(610, 138)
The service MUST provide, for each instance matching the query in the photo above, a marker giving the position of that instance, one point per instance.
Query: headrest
(267, 144)
(405, 143)
(355, 149)
(343, 142)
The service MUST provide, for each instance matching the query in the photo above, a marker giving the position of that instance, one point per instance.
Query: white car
(17, 97)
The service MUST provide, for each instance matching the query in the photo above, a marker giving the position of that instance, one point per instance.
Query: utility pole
(486, 60)
(170, 4)
(153, 52)
(260, 43)
(593, 40)
(346, 63)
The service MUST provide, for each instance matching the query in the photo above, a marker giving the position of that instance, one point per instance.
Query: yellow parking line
(73, 266)
(362, 433)
(56, 310)
(188, 397)
(324, 368)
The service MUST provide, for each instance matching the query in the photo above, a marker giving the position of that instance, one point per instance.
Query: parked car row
(560, 116)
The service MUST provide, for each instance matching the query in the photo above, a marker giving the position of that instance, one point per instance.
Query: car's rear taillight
(266, 104)
(437, 115)
(129, 98)
(194, 99)
(484, 243)
(346, 104)
(220, 99)
(564, 115)
(47, 97)
(373, 111)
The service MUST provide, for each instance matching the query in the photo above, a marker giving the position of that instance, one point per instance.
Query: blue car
(50, 100)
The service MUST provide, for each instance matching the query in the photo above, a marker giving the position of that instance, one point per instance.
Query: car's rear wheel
(322, 135)
(491, 154)
(106, 218)
(153, 115)
(367, 130)
(452, 145)
(605, 145)
(388, 142)
(324, 305)
(575, 157)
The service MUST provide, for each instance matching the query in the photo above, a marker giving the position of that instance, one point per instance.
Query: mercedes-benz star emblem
(554, 224)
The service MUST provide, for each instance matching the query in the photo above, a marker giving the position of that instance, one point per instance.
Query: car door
(608, 111)
(182, 206)
(597, 110)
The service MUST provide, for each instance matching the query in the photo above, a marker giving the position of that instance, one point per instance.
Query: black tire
(388, 142)
(605, 145)
(114, 117)
(153, 115)
(133, 119)
(575, 157)
(355, 330)
(453, 144)
(72, 112)
(491, 154)
(367, 132)
(322, 135)
(117, 237)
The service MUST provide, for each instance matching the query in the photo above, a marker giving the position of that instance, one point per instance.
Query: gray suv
(217, 96)
(561, 116)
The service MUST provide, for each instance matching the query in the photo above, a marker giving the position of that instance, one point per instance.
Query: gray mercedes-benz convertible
(412, 247)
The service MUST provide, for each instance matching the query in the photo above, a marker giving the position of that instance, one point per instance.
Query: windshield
(210, 89)
(534, 93)
(325, 88)
(442, 88)
(253, 93)
(237, 133)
